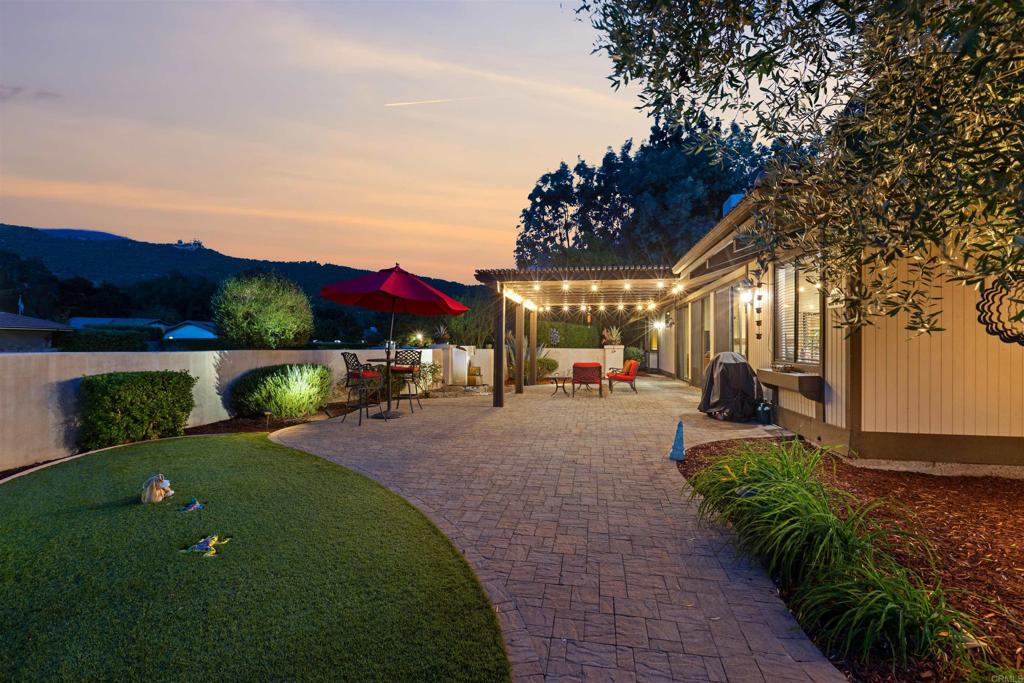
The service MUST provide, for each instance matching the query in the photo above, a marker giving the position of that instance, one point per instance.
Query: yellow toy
(156, 489)
(207, 546)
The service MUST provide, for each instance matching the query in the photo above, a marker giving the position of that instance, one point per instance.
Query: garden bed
(975, 526)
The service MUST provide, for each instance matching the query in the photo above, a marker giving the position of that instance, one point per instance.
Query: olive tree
(907, 119)
(262, 310)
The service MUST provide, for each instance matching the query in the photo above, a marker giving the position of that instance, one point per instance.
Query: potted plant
(611, 336)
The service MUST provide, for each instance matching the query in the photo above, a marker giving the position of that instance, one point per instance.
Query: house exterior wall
(24, 340)
(961, 381)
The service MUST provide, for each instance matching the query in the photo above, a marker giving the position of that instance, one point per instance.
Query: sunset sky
(356, 133)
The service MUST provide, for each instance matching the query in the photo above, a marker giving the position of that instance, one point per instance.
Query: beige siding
(960, 381)
(667, 349)
(791, 400)
(834, 373)
(760, 355)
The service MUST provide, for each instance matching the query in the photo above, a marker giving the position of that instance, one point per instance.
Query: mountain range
(105, 257)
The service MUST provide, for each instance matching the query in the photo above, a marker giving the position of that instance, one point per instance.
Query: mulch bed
(975, 525)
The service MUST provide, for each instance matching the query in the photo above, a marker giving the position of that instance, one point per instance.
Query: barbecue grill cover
(731, 390)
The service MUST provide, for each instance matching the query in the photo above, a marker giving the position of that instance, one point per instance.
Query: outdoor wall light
(659, 325)
(746, 296)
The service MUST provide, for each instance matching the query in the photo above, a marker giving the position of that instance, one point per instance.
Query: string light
(650, 306)
(565, 308)
(565, 286)
(536, 286)
(621, 307)
(601, 307)
(593, 288)
(677, 288)
(628, 285)
(661, 285)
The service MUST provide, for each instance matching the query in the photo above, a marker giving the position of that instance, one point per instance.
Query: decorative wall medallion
(999, 309)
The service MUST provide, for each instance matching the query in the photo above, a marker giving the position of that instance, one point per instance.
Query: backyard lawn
(327, 575)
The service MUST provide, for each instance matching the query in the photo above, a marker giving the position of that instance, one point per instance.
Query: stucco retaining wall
(39, 391)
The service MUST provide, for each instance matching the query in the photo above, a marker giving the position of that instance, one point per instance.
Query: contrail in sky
(414, 103)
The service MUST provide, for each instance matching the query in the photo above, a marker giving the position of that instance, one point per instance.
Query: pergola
(621, 293)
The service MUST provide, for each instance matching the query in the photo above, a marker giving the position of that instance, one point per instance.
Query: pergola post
(520, 347)
(498, 390)
(532, 376)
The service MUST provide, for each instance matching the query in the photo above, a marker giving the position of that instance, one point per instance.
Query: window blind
(785, 313)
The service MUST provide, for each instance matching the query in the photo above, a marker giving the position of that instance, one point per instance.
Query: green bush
(94, 339)
(262, 311)
(570, 335)
(830, 551)
(546, 366)
(633, 353)
(121, 407)
(285, 391)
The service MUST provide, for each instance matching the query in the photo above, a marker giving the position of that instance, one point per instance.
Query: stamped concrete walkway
(583, 535)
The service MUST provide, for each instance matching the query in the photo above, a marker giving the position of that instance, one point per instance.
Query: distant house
(22, 333)
(79, 323)
(192, 329)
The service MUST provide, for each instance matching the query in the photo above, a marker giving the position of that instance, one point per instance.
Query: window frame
(796, 361)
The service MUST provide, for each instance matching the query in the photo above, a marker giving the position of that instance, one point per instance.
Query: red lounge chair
(587, 374)
(626, 374)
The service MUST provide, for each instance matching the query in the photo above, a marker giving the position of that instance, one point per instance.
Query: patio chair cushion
(627, 374)
(403, 368)
(364, 374)
(586, 373)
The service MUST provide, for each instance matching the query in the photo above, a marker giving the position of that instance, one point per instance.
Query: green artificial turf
(327, 576)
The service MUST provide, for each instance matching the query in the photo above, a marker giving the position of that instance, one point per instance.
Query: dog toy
(192, 505)
(156, 489)
(207, 546)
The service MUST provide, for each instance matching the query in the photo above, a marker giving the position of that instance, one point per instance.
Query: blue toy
(678, 452)
(207, 546)
(192, 505)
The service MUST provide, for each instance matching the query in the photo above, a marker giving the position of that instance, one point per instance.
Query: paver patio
(583, 535)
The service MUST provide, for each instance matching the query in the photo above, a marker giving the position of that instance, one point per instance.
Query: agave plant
(612, 336)
(441, 335)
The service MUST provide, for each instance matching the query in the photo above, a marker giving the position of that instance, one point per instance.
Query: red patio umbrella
(394, 290)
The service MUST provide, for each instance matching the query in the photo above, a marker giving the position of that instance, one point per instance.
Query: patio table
(391, 414)
(559, 382)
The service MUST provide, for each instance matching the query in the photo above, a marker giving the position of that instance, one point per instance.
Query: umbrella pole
(387, 354)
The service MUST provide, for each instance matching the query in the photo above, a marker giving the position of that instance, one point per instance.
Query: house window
(738, 320)
(797, 317)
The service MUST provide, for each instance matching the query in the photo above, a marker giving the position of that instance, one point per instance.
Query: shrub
(869, 607)
(262, 311)
(285, 391)
(121, 407)
(545, 366)
(92, 339)
(633, 353)
(829, 550)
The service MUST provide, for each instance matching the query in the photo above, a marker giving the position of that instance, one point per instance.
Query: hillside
(122, 261)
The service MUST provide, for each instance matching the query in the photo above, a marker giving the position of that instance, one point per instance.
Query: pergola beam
(520, 348)
(532, 376)
(498, 390)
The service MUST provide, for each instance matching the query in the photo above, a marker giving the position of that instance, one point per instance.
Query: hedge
(121, 407)
(285, 391)
(570, 335)
(103, 340)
